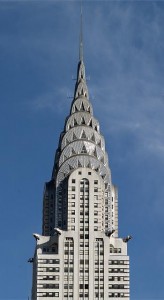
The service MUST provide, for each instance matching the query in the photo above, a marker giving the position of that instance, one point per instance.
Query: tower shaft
(83, 257)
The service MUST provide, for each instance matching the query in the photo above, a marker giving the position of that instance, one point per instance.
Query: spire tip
(81, 34)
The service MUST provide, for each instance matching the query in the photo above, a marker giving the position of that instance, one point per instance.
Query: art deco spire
(81, 38)
(81, 143)
(79, 253)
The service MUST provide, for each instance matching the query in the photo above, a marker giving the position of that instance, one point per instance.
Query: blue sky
(123, 50)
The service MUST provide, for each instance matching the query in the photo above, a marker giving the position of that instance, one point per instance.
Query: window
(89, 173)
(95, 181)
(95, 189)
(73, 180)
(83, 150)
(73, 196)
(73, 188)
(79, 172)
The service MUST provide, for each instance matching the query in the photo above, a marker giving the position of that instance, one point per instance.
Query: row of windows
(50, 250)
(99, 278)
(71, 252)
(83, 286)
(55, 294)
(118, 262)
(82, 189)
(70, 261)
(68, 296)
(117, 286)
(115, 250)
(82, 236)
(50, 277)
(97, 270)
(49, 286)
(48, 269)
(118, 278)
(95, 181)
(100, 262)
(116, 295)
(66, 269)
(97, 295)
(70, 286)
(49, 261)
(89, 173)
(118, 270)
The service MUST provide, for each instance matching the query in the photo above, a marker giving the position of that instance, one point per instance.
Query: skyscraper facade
(79, 254)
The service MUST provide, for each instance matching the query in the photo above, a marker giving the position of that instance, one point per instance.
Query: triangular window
(95, 153)
(83, 121)
(90, 123)
(73, 151)
(75, 122)
(84, 150)
(83, 136)
(93, 138)
(82, 107)
(99, 143)
(74, 137)
(102, 160)
(79, 164)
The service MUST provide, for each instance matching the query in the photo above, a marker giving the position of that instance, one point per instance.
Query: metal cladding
(81, 144)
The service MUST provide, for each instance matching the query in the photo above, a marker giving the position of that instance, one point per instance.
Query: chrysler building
(79, 254)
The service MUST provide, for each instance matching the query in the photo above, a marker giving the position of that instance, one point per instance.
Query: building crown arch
(81, 118)
(76, 133)
(86, 161)
(83, 147)
(81, 104)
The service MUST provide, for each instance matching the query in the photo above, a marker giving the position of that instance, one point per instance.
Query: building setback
(79, 254)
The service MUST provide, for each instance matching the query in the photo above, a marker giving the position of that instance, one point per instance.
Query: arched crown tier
(81, 144)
